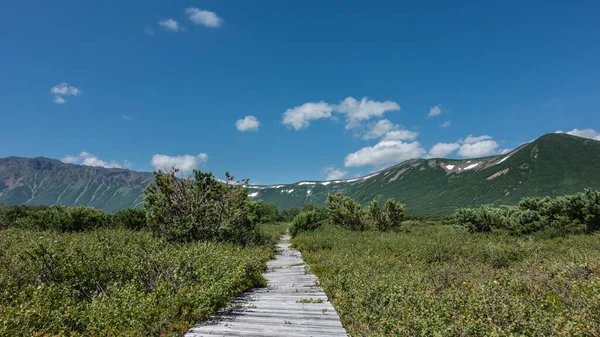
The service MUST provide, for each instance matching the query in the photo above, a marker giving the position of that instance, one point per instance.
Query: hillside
(44, 181)
(552, 165)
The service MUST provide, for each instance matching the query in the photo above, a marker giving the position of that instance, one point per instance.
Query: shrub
(388, 218)
(10, 214)
(564, 215)
(304, 222)
(200, 208)
(65, 219)
(345, 212)
(289, 214)
(264, 212)
(132, 218)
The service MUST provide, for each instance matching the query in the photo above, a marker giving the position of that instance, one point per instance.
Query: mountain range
(552, 165)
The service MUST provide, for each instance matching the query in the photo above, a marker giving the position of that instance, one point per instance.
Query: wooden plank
(291, 305)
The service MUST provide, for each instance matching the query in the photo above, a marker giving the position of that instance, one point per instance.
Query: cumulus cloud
(299, 117)
(384, 153)
(170, 24)
(332, 173)
(400, 135)
(64, 89)
(441, 150)
(88, 159)
(185, 163)
(445, 124)
(203, 17)
(472, 139)
(585, 133)
(357, 111)
(248, 123)
(380, 128)
(354, 110)
(478, 149)
(435, 110)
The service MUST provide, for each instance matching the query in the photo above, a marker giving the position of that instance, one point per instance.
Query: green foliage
(289, 214)
(388, 218)
(10, 214)
(305, 221)
(345, 212)
(437, 280)
(264, 212)
(200, 208)
(63, 218)
(564, 215)
(132, 218)
(117, 282)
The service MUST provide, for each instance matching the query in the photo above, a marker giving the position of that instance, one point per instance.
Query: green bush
(560, 216)
(383, 219)
(264, 212)
(117, 282)
(63, 218)
(10, 214)
(305, 221)
(132, 218)
(345, 212)
(200, 208)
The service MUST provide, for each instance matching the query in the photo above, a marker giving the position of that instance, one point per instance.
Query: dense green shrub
(10, 214)
(63, 218)
(305, 221)
(264, 212)
(117, 282)
(383, 219)
(289, 214)
(200, 208)
(564, 215)
(345, 212)
(132, 218)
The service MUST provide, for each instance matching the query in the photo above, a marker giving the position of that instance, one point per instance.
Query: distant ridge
(554, 164)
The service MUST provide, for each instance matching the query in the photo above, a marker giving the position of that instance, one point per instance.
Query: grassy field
(118, 282)
(435, 280)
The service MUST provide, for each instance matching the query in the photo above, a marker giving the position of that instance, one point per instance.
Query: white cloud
(88, 159)
(127, 164)
(299, 117)
(585, 133)
(505, 151)
(472, 139)
(435, 110)
(202, 17)
(332, 173)
(478, 149)
(379, 129)
(445, 124)
(70, 159)
(170, 24)
(401, 135)
(184, 163)
(357, 111)
(441, 150)
(384, 153)
(127, 117)
(64, 89)
(249, 123)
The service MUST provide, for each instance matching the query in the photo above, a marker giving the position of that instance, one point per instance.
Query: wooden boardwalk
(292, 304)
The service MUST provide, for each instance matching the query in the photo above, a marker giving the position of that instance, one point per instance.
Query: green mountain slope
(554, 164)
(44, 181)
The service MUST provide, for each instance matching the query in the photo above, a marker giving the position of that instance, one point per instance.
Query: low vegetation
(471, 275)
(77, 271)
(570, 214)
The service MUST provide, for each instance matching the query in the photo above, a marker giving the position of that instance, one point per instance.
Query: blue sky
(338, 88)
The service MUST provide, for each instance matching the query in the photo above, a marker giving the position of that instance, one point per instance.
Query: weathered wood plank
(291, 305)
